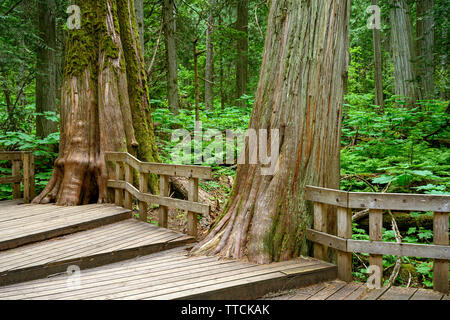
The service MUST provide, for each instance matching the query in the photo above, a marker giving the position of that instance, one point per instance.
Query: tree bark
(300, 93)
(425, 46)
(209, 65)
(171, 55)
(46, 68)
(378, 63)
(139, 9)
(242, 49)
(104, 103)
(403, 53)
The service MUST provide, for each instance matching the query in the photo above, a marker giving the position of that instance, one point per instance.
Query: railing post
(320, 224)
(128, 178)
(163, 192)
(344, 230)
(28, 176)
(143, 187)
(192, 216)
(119, 176)
(440, 268)
(376, 234)
(16, 185)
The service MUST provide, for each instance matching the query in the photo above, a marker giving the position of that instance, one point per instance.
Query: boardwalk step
(172, 274)
(24, 224)
(88, 249)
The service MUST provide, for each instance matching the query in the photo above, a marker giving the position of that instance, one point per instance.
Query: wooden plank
(327, 239)
(164, 192)
(320, 224)
(375, 294)
(330, 288)
(11, 155)
(119, 175)
(344, 230)
(376, 234)
(128, 202)
(440, 266)
(307, 292)
(143, 187)
(327, 196)
(28, 177)
(187, 171)
(15, 173)
(165, 201)
(192, 216)
(398, 293)
(422, 294)
(345, 291)
(357, 294)
(399, 201)
(399, 249)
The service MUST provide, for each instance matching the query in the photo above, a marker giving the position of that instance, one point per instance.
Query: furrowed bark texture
(378, 64)
(104, 103)
(171, 55)
(209, 64)
(403, 52)
(46, 68)
(300, 92)
(425, 46)
(242, 49)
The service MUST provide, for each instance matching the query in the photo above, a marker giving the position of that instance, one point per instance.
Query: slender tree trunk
(171, 55)
(46, 68)
(403, 52)
(139, 8)
(104, 103)
(242, 49)
(425, 46)
(300, 93)
(209, 65)
(378, 63)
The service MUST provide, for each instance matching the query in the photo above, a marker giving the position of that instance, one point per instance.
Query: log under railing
(22, 164)
(376, 203)
(125, 191)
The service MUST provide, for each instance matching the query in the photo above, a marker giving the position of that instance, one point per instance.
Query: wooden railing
(24, 159)
(123, 183)
(376, 203)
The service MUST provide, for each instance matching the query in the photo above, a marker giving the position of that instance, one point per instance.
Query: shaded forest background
(203, 61)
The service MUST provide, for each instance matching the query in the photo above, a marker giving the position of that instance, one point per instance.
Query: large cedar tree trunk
(300, 92)
(378, 64)
(404, 52)
(46, 68)
(104, 103)
(209, 64)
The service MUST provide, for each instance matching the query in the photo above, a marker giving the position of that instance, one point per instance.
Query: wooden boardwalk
(340, 290)
(172, 274)
(107, 244)
(21, 224)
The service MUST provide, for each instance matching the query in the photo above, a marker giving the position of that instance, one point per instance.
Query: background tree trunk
(300, 92)
(209, 66)
(242, 49)
(403, 52)
(104, 105)
(46, 68)
(139, 9)
(171, 55)
(378, 63)
(425, 46)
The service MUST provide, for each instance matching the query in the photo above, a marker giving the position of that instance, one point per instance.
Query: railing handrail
(380, 201)
(376, 203)
(174, 170)
(27, 178)
(125, 163)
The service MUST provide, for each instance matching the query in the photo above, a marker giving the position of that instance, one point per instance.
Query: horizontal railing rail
(125, 190)
(20, 160)
(376, 203)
